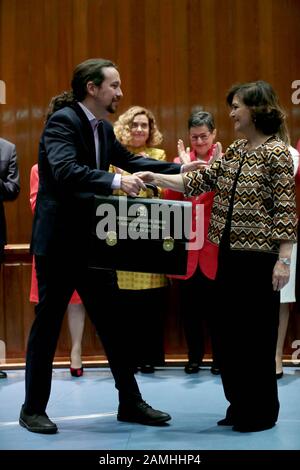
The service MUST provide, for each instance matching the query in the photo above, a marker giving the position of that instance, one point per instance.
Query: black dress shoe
(147, 369)
(228, 420)
(37, 423)
(191, 368)
(254, 427)
(3, 374)
(142, 413)
(225, 422)
(215, 370)
(279, 375)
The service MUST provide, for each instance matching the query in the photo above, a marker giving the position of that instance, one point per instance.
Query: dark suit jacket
(9, 181)
(68, 179)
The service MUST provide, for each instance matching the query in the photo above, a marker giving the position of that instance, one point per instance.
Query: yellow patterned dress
(144, 296)
(133, 280)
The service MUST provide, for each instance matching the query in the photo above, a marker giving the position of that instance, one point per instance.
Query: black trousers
(198, 290)
(246, 322)
(58, 276)
(145, 312)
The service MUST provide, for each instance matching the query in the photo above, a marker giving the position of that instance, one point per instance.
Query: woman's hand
(192, 166)
(281, 275)
(217, 152)
(146, 176)
(183, 154)
(164, 181)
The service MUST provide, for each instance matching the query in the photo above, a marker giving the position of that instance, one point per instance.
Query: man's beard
(110, 108)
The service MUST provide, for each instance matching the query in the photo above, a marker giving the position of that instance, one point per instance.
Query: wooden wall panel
(173, 55)
(153, 63)
(14, 326)
(17, 315)
(168, 72)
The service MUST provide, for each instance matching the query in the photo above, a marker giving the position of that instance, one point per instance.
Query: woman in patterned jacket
(254, 222)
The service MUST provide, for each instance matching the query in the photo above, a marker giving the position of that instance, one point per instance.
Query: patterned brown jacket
(264, 207)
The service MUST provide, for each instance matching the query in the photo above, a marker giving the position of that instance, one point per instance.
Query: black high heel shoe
(147, 369)
(215, 370)
(191, 368)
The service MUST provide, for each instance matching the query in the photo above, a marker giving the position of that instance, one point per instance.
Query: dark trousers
(246, 322)
(145, 312)
(58, 276)
(198, 290)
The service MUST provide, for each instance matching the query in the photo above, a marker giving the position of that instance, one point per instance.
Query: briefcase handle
(151, 186)
(154, 188)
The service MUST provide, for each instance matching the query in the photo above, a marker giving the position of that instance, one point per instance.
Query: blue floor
(85, 411)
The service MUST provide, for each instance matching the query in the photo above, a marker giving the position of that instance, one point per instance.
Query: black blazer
(9, 181)
(68, 179)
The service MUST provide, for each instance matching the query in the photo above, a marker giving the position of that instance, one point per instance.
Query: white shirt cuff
(116, 182)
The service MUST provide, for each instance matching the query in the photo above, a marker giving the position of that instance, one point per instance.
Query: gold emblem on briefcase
(111, 238)
(168, 244)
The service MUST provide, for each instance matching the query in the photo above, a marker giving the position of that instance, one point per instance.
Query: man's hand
(132, 184)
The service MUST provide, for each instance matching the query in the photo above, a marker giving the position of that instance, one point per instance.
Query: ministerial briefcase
(142, 235)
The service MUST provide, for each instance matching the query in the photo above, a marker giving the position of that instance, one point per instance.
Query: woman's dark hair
(261, 99)
(89, 70)
(66, 98)
(201, 118)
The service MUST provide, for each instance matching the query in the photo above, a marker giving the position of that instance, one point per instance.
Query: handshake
(132, 184)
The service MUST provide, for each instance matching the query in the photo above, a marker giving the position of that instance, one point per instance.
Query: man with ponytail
(76, 148)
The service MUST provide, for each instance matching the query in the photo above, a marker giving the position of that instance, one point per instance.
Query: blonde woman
(136, 129)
